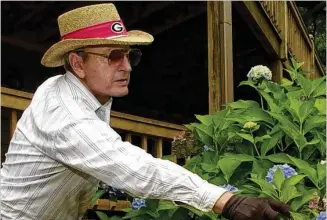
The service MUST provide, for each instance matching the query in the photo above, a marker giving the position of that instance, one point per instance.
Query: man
(63, 144)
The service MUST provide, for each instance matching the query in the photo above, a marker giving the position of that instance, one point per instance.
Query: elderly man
(63, 144)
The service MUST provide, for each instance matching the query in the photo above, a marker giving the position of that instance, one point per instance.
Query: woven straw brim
(53, 57)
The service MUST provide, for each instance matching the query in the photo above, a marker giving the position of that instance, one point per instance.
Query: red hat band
(107, 30)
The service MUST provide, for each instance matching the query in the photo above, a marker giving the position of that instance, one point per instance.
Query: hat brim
(53, 57)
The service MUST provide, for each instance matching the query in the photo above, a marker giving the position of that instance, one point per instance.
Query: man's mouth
(121, 81)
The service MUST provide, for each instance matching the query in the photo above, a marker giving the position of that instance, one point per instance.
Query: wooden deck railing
(152, 135)
(293, 35)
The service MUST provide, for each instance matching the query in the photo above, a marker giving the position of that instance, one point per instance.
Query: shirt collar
(85, 95)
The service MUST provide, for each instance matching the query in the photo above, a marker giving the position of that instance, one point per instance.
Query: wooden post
(144, 143)
(159, 147)
(13, 122)
(277, 65)
(220, 54)
(312, 69)
(128, 137)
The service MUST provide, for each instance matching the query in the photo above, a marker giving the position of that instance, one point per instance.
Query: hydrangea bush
(274, 149)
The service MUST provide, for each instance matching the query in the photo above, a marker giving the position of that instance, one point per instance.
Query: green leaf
(278, 178)
(152, 204)
(135, 213)
(192, 162)
(261, 138)
(305, 84)
(305, 110)
(180, 213)
(289, 193)
(205, 119)
(270, 143)
(296, 93)
(292, 181)
(320, 90)
(103, 216)
(290, 129)
(228, 166)
(306, 169)
(314, 121)
(316, 85)
(246, 137)
(243, 104)
(308, 151)
(204, 133)
(218, 180)
(307, 196)
(280, 158)
(97, 196)
(265, 95)
(266, 187)
(165, 205)
(321, 146)
(240, 157)
(153, 214)
(143, 217)
(219, 119)
(261, 167)
(321, 171)
(286, 82)
(253, 114)
(298, 216)
(320, 104)
(115, 218)
(209, 167)
(210, 157)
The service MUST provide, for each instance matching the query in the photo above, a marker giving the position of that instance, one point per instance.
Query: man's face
(106, 78)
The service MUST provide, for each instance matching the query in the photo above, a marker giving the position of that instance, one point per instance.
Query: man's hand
(249, 208)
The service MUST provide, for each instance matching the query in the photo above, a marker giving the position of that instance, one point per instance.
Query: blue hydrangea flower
(287, 171)
(206, 148)
(322, 216)
(138, 203)
(230, 188)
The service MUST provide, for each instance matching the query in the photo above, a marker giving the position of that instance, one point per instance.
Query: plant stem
(261, 102)
(256, 149)
(255, 146)
(281, 143)
(216, 146)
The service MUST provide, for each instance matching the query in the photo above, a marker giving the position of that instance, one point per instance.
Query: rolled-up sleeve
(93, 147)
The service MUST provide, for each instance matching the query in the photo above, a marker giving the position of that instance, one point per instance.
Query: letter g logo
(117, 27)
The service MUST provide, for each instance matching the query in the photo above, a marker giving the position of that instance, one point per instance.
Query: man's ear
(76, 62)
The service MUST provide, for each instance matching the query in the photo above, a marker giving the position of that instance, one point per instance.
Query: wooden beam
(253, 14)
(105, 204)
(298, 18)
(20, 100)
(220, 57)
(23, 44)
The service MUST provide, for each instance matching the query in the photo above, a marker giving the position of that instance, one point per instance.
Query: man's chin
(120, 93)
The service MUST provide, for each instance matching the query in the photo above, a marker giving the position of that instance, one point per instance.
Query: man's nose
(125, 65)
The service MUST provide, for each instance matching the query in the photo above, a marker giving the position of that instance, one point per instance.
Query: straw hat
(91, 25)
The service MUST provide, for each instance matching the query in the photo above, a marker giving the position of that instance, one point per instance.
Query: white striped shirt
(63, 145)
